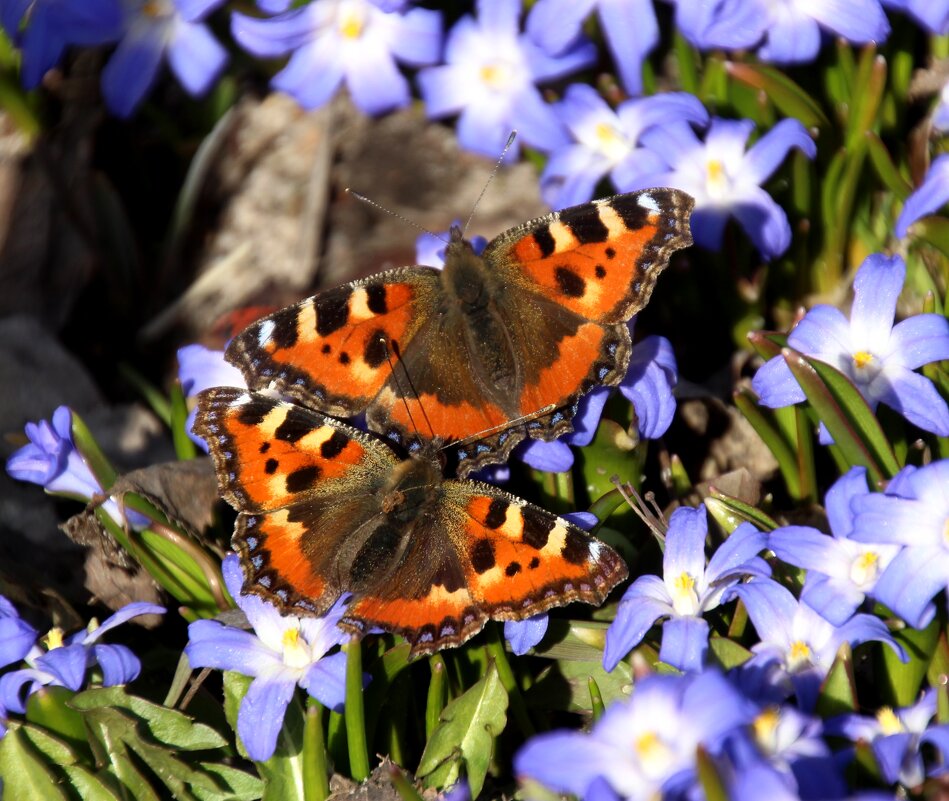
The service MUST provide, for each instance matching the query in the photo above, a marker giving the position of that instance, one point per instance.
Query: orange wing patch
(332, 351)
(523, 560)
(601, 259)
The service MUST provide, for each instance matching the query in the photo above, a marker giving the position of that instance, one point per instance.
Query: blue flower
(284, 651)
(353, 41)
(629, 28)
(841, 572)
(607, 142)
(793, 29)
(913, 512)
(931, 195)
(42, 29)
(153, 29)
(65, 661)
(650, 378)
(52, 461)
(896, 736)
(690, 586)
(878, 357)
(726, 24)
(797, 646)
(641, 749)
(489, 78)
(725, 180)
(933, 15)
(200, 368)
(17, 637)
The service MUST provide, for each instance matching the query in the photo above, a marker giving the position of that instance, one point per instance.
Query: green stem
(518, 707)
(355, 714)
(436, 694)
(316, 785)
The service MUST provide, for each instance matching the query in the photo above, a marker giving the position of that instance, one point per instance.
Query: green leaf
(611, 453)
(709, 778)
(939, 665)
(565, 685)
(167, 726)
(25, 774)
(730, 513)
(772, 437)
(886, 170)
(838, 692)
(235, 785)
(184, 445)
(727, 653)
(49, 708)
(786, 95)
(850, 421)
(903, 680)
(466, 735)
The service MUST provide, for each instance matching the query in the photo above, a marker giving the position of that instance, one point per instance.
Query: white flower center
(351, 23)
(865, 568)
(799, 655)
(296, 651)
(685, 601)
(889, 722)
(611, 142)
(655, 757)
(717, 182)
(498, 75)
(945, 533)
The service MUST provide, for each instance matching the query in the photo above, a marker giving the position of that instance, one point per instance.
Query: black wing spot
(610, 253)
(302, 478)
(545, 240)
(332, 310)
(334, 446)
(252, 414)
(376, 298)
(585, 224)
(377, 349)
(534, 563)
(284, 333)
(576, 548)
(537, 528)
(571, 284)
(497, 513)
(326, 348)
(512, 569)
(271, 466)
(296, 425)
(482, 556)
(265, 447)
(344, 358)
(631, 213)
(600, 271)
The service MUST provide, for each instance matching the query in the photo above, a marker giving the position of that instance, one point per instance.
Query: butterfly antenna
(380, 207)
(487, 432)
(497, 166)
(412, 389)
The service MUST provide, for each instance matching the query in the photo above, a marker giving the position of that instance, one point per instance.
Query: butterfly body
(505, 342)
(326, 510)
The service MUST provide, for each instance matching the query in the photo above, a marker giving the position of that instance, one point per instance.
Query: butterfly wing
(331, 352)
(307, 490)
(484, 554)
(600, 260)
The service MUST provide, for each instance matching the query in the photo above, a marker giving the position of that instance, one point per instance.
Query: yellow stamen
(765, 726)
(296, 654)
(53, 638)
(865, 568)
(351, 26)
(799, 653)
(889, 722)
(862, 358)
(497, 75)
(611, 142)
(684, 599)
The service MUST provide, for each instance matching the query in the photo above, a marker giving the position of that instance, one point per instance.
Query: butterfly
(501, 345)
(325, 509)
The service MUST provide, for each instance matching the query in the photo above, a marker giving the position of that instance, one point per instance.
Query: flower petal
(522, 635)
(793, 37)
(552, 457)
(931, 195)
(631, 32)
(916, 398)
(260, 716)
(876, 287)
(375, 83)
(67, 665)
(555, 24)
(775, 384)
(644, 602)
(124, 614)
(196, 57)
(132, 69)
(684, 642)
(839, 498)
(744, 543)
(119, 665)
(766, 155)
(910, 582)
(326, 681)
(920, 339)
(214, 645)
(765, 222)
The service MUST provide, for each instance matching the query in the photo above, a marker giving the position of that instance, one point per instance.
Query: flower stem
(355, 714)
(518, 707)
(316, 786)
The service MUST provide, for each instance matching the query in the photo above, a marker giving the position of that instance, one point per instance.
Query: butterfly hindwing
(498, 557)
(302, 484)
